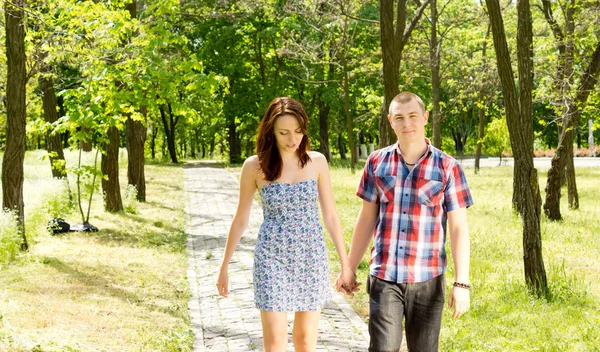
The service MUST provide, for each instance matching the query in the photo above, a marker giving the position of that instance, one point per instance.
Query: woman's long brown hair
(269, 158)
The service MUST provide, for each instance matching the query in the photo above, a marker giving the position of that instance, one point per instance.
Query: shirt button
(406, 194)
(403, 230)
(403, 212)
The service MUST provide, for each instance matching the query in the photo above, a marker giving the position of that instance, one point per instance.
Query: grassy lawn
(120, 289)
(503, 317)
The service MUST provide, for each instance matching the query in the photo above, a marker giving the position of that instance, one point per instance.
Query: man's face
(408, 121)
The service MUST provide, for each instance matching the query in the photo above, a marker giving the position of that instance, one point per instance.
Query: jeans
(421, 304)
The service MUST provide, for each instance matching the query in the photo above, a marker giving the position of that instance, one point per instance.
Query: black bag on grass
(58, 225)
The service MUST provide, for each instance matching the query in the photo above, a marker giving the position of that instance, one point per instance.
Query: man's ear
(426, 116)
(389, 118)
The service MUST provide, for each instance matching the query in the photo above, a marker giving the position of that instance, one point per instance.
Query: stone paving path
(233, 324)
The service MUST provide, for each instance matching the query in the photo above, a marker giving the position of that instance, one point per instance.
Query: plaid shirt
(410, 233)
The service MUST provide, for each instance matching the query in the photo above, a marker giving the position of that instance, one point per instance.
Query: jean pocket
(430, 192)
(385, 187)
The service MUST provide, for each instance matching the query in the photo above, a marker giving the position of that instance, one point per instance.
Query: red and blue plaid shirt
(410, 233)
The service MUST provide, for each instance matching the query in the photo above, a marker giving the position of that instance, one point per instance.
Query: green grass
(123, 288)
(503, 316)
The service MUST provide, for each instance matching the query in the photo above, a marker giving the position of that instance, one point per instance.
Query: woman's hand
(223, 282)
(346, 282)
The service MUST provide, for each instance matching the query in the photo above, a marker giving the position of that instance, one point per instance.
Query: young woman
(290, 260)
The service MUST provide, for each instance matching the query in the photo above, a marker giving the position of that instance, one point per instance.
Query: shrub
(10, 240)
(130, 201)
(56, 202)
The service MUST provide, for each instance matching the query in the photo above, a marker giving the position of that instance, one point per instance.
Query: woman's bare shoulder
(316, 156)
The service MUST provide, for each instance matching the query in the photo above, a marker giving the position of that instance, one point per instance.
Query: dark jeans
(421, 304)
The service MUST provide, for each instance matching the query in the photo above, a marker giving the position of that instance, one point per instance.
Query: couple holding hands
(412, 195)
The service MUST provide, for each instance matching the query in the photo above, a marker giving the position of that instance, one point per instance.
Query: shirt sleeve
(366, 187)
(456, 193)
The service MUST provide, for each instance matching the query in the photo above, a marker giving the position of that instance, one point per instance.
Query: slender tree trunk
(53, 141)
(136, 139)
(86, 144)
(110, 168)
(394, 36)
(14, 154)
(520, 125)
(435, 48)
(349, 122)
(153, 141)
(324, 109)
(235, 148)
(169, 126)
(481, 132)
(573, 195)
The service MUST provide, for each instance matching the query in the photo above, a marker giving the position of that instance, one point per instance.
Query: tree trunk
(110, 168)
(573, 196)
(153, 141)
(481, 132)
(86, 144)
(564, 152)
(349, 123)
(520, 125)
(169, 126)
(435, 48)
(393, 40)
(136, 139)
(235, 148)
(14, 154)
(324, 109)
(53, 141)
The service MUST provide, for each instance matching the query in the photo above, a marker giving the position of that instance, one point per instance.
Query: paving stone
(233, 324)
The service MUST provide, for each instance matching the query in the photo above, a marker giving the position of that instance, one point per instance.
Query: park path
(233, 324)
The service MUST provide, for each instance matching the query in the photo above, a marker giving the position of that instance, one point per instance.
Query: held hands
(223, 282)
(346, 282)
(459, 298)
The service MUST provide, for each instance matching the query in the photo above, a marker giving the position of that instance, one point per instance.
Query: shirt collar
(427, 151)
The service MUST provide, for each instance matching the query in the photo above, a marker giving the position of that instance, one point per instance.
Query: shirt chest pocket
(430, 192)
(385, 187)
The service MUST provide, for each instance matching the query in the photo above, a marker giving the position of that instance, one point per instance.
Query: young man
(410, 190)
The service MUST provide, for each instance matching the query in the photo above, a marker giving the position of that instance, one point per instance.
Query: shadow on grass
(98, 285)
(172, 239)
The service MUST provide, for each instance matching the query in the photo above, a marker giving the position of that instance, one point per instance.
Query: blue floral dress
(290, 261)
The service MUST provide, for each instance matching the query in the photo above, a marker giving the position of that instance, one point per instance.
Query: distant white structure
(363, 151)
(371, 148)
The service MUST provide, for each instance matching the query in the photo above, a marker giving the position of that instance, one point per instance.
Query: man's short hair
(406, 97)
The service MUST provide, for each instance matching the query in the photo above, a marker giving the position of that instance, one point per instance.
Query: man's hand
(346, 282)
(460, 299)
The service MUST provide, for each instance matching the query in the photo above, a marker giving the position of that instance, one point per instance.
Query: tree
(496, 140)
(14, 154)
(53, 139)
(394, 36)
(135, 132)
(571, 104)
(519, 118)
(110, 170)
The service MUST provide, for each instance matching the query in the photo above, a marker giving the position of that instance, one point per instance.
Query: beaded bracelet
(461, 285)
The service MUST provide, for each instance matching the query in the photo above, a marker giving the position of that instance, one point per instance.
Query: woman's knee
(304, 340)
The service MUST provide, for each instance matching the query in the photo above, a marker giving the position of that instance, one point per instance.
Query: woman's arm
(240, 220)
(331, 218)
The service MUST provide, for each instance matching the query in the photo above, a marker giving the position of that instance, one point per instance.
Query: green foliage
(130, 201)
(496, 140)
(10, 240)
(57, 200)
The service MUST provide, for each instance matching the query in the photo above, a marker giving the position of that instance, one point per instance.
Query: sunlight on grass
(120, 289)
(503, 316)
